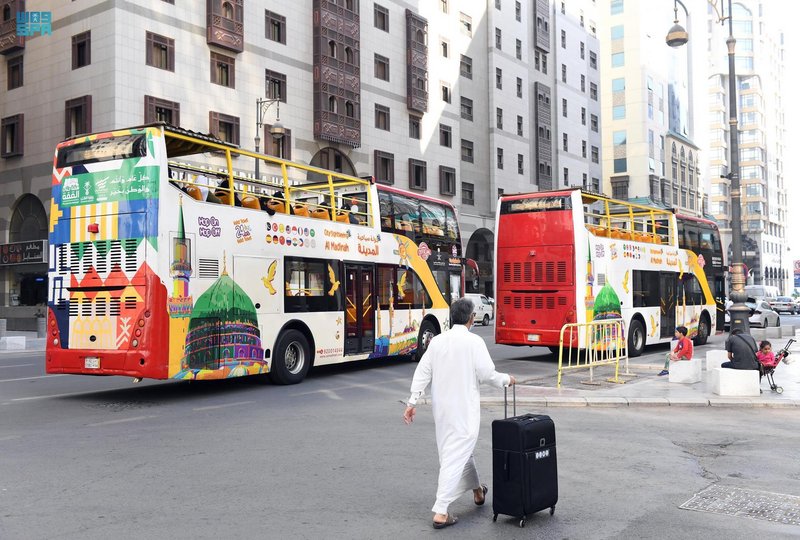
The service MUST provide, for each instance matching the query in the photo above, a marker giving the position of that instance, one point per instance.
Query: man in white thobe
(455, 365)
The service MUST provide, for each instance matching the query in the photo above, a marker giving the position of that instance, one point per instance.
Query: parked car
(783, 304)
(484, 309)
(761, 315)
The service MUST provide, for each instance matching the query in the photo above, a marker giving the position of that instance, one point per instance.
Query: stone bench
(714, 359)
(686, 371)
(787, 330)
(12, 343)
(773, 332)
(735, 382)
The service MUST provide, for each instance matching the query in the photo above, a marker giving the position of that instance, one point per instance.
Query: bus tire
(292, 358)
(636, 339)
(703, 329)
(427, 331)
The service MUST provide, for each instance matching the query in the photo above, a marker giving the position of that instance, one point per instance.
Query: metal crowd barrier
(592, 344)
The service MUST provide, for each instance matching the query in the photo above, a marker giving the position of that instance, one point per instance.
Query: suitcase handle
(505, 400)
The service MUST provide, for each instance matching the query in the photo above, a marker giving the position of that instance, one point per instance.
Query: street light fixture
(676, 37)
(277, 130)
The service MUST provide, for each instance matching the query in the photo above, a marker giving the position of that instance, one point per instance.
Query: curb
(645, 402)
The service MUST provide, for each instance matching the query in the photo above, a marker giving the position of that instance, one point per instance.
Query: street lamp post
(276, 130)
(676, 37)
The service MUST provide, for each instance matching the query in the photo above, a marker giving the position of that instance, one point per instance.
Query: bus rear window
(126, 146)
(535, 204)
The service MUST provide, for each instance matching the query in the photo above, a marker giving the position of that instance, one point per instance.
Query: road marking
(31, 378)
(17, 365)
(120, 421)
(71, 394)
(211, 407)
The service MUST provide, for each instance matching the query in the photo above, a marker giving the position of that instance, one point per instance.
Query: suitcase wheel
(522, 522)
(494, 518)
(552, 510)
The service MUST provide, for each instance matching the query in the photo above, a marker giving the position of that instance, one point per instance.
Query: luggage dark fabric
(525, 476)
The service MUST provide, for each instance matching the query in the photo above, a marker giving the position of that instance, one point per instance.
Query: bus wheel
(636, 339)
(702, 331)
(426, 332)
(292, 358)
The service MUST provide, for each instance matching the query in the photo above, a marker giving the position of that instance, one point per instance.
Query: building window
(467, 151)
(617, 59)
(619, 188)
(583, 50)
(282, 147)
(78, 116)
(498, 39)
(276, 85)
(161, 110)
(382, 117)
(563, 39)
(276, 26)
(564, 107)
(583, 116)
(585, 181)
(223, 70)
(583, 83)
(618, 112)
(566, 176)
(384, 167)
(81, 50)
(224, 127)
(467, 193)
(499, 158)
(565, 142)
(595, 154)
(445, 135)
(520, 164)
(11, 136)
(414, 129)
(447, 180)
(381, 18)
(14, 72)
(595, 123)
(563, 73)
(518, 11)
(519, 49)
(466, 108)
(519, 125)
(593, 91)
(466, 66)
(583, 149)
(447, 96)
(445, 49)
(497, 4)
(519, 87)
(499, 113)
(617, 6)
(417, 174)
(160, 52)
(381, 67)
(498, 78)
(444, 6)
(466, 24)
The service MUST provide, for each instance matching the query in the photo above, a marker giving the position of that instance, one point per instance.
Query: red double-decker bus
(556, 250)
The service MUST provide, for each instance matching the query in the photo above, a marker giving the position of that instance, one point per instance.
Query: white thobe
(455, 365)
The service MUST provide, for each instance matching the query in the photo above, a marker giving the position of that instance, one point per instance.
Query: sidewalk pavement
(645, 388)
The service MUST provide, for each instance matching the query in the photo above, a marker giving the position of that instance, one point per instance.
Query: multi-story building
(650, 154)
(454, 100)
(759, 72)
(577, 105)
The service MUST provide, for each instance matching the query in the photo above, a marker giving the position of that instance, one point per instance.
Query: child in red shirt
(682, 351)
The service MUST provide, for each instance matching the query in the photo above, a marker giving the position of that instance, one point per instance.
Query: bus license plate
(533, 337)
(91, 362)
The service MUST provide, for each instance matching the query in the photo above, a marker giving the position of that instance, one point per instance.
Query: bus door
(668, 287)
(359, 308)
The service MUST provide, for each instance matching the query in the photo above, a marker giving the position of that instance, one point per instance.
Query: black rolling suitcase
(523, 464)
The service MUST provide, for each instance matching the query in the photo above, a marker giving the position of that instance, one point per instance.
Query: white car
(761, 314)
(484, 310)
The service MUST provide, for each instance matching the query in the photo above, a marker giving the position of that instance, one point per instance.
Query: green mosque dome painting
(607, 305)
(223, 330)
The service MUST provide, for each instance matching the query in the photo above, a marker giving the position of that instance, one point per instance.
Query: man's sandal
(482, 500)
(451, 520)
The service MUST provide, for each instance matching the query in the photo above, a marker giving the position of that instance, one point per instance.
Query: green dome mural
(225, 301)
(607, 305)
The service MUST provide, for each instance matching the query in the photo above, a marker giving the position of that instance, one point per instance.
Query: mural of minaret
(589, 284)
(180, 303)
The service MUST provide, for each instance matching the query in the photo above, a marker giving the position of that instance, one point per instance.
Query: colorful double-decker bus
(167, 263)
(557, 252)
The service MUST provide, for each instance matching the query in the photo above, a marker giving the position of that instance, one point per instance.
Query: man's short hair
(460, 311)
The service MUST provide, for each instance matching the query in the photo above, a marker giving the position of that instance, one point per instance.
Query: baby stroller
(768, 370)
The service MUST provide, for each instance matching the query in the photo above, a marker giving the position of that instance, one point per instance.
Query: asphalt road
(87, 457)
